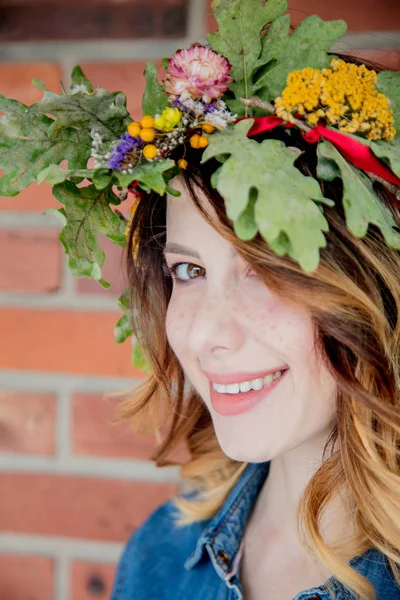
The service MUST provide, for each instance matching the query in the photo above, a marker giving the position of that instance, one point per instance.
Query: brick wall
(72, 485)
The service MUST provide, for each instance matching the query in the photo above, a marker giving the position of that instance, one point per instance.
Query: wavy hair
(354, 300)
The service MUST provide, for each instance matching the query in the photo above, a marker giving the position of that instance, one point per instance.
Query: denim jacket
(201, 561)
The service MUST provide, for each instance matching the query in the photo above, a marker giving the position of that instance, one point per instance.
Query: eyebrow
(172, 248)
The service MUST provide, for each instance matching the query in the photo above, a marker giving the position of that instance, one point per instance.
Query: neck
(275, 513)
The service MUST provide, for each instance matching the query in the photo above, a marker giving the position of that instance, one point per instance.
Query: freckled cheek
(176, 325)
(273, 322)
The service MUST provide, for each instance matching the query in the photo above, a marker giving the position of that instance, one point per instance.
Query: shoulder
(156, 552)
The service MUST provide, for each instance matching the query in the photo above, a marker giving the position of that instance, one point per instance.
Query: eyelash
(172, 271)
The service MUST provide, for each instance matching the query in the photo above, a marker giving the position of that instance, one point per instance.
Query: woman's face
(250, 356)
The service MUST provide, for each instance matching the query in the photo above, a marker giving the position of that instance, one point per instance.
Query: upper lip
(240, 376)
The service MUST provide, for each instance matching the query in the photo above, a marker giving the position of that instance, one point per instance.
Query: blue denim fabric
(200, 561)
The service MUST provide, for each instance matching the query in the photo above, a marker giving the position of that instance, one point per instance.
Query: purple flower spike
(209, 109)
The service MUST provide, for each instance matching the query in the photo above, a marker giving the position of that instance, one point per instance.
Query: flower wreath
(216, 98)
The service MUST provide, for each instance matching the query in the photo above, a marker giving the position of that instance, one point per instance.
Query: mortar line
(197, 14)
(63, 425)
(66, 300)
(61, 578)
(127, 469)
(61, 547)
(54, 382)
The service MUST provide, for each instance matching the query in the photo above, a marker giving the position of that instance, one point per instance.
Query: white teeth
(246, 386)
(257, 384)
(232, 388)
(268, 379)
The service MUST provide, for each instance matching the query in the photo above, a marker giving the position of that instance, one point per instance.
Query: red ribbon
(357, 153)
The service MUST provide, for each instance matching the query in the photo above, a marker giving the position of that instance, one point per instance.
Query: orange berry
(147, 134)
(208, 128)
(134, 128)
(194, 140)
(182, 163)
(203, 142)
(147, 122)
(150, 151)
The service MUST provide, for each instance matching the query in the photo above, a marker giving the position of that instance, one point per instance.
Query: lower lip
(236, 404)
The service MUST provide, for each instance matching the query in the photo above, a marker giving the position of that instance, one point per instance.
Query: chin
(244, 452)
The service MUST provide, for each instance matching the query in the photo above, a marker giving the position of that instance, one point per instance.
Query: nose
(215, 328)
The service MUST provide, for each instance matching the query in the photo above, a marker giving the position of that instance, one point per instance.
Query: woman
(319, 353)
(264, 263)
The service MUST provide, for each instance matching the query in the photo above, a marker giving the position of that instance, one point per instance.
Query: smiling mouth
(246, 386)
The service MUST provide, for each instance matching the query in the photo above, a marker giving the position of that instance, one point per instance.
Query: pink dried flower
(198, 72)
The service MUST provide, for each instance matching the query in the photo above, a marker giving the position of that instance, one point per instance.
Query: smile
(247, 386)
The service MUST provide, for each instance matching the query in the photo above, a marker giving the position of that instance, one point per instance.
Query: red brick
(63, 341)
(372, 16)
(89, 580)
(95, 434)
(389, 59)
(33, 199)
(26, 578)
(16, 79)
(31, 261)
(27, 423)
(113, 272)
(91, 508)
(126, 77)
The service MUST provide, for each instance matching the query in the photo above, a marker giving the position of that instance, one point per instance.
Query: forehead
(184, 217)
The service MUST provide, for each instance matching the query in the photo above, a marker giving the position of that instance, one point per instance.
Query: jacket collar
(224, 533)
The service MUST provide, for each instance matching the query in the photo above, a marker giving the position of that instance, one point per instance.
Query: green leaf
(154, 99)
(102, 178)
(361, 204)
(26, 149)
(138, 359)
(240, 24)
(389, 152)
(123, 329)
(307, 46)
(287, 201)
(149, 173)
(59, 214)
(38, 83)
(88, 215)
(79, 82)
(123, 300)
(172, 192)
(245, 225)
(54, 174)
(389, 84)
(102, 111)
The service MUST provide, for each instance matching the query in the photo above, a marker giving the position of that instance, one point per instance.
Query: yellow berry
(203, 141)
(150, 151)
(134, 128)
(208, 128)
(147, 134)
(194, 140)
(182, 163)
(147, 121)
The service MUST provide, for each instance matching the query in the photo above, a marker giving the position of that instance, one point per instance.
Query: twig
(121, 215)
(393, 189)
(256, 102)
(123, 194)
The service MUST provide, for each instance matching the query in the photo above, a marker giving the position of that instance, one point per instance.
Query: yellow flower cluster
(344, 95)
(168, 120)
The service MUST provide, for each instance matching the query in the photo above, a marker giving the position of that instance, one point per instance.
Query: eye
(185, 271)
